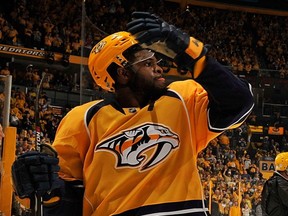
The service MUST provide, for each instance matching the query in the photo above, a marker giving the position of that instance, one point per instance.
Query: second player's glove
(154, 33)
(36, 172)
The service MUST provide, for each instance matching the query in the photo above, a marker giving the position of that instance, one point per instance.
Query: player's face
(148, 74)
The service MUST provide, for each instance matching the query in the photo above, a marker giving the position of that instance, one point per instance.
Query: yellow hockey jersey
(136, 161)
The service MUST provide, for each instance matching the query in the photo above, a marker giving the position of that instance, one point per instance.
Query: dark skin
(140, 83)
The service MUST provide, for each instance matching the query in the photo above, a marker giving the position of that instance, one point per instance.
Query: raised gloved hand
(36, 172)
(156, 34)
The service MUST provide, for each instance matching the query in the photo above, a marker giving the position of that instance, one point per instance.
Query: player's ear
(122, 76)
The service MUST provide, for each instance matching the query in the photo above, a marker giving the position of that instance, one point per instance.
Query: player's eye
(152, 63)
(149, 63)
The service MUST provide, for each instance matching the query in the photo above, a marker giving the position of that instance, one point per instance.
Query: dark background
(269, 4)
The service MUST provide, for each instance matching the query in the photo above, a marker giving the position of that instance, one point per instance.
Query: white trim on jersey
(179, 212)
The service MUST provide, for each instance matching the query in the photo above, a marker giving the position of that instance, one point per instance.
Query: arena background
(55, 38)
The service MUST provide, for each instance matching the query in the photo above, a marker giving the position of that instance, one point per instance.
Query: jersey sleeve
(230, 98)
(71, 142)
(215, 101)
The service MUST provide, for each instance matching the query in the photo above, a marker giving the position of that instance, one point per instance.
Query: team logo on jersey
(144, 146)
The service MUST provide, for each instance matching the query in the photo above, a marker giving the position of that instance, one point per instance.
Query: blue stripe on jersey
(95, 108)
(112, 101)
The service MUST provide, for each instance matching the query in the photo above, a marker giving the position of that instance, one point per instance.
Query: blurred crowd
(246, 41)
(253, 45)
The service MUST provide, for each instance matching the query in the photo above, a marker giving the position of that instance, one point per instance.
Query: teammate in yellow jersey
(135, 152)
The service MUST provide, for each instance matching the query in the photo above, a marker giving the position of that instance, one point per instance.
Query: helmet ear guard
(106, 52)
(281, 161)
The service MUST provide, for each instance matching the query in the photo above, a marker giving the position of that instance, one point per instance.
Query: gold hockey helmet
(281, 161)
(109, 50)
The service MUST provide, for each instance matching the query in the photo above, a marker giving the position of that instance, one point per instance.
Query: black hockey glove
(156, 34)
(36, 172)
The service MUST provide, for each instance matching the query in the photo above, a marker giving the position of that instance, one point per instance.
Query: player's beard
(147, 89)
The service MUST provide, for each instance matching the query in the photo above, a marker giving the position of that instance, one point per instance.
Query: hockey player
(135, 152)
(274, 199)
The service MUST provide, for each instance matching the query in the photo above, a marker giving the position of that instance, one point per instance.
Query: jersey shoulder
(84, 107)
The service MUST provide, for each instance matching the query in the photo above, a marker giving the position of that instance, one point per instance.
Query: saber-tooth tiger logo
(132, 146)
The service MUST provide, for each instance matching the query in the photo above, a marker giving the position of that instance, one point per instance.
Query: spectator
(5, 71)
(246, 211)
